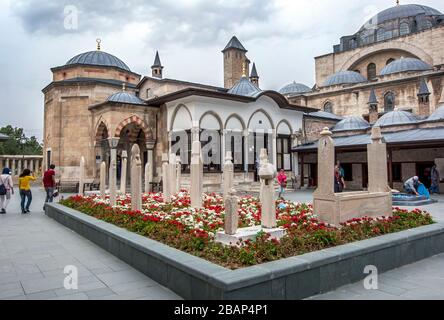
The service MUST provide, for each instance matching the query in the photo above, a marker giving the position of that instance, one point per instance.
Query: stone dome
(438, 114)
(396, 117)
(244, 87)
(98, 58)
(125, 97)
(294, 88)
(351, 123)
(404, 65)
(344, 77)
(401, 11)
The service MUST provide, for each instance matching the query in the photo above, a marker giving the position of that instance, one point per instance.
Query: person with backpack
(6, 189)
(25, 190)
(49, 183)
(282, 180)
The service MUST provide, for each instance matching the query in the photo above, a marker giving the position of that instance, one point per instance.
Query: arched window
(390, 61)
(353, 43)
(371, 71)
(404, 29)
(389, 102)
(380, 34)
(328, 107)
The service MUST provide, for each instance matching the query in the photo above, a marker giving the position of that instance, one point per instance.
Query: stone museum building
(390, 73)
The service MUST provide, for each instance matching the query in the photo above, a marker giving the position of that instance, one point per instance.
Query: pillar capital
(150, 144)
(113, 142)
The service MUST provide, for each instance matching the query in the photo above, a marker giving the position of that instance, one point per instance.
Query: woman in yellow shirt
(25, 189)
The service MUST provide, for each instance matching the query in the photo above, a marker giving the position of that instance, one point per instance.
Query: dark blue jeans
(25, 194)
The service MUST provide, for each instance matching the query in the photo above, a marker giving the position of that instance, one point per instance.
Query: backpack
(3, 190)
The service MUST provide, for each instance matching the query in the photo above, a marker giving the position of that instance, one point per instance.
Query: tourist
(49, 183)
(282, 179)
(25, 189)
(411, 185)
(338, 180)
(342, 174)
(434, 188)
(6, 189)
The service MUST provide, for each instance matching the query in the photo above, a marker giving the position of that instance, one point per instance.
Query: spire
(254, 77)
(423, 88)
(99, 41)
(372, 99)
(157, 68)
(123, 86)
(234, 43)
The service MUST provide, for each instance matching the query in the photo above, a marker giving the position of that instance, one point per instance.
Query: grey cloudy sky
(282, 37)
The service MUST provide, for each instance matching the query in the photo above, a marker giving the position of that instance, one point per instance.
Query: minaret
(254, 77)
(423, 98)
(157, 68)
(373, 107)
(234, 59)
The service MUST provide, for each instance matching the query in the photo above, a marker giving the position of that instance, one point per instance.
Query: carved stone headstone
(123, 172)
(148, 177)
(231, 214)
(82, 176)
(326, 164)
(165, 178)
(267, 174)
(172, 174)
(196, 173)
(263, 158)
(136, 179)
(112, 182)
(377, 160)
(228, 175)
(103, 180)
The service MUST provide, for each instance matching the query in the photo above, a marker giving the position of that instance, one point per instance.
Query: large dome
(399, 12)
(98, 58)
(294, 88)
(351, 123)
(404, 65)
(344, 77)
(244, 88)
(396, 117)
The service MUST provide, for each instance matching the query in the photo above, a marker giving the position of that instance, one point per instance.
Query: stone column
(377, 163)
(26, 163)
(136, 179)
(245, 134)
(113, 142)
(263, 160)
(150, 165)
(147, 178)
(326, 164)
(165, 179)
(178, 174)
(196, 175)
(267, 174)
(195, 134)
(172, 174)
(103, 179)
(228, 175)
(20, 167)
(231, 214)
(82, 176)
(123, 172)
(223, 142)
(13, 171)
(274, 155)
(31, 165)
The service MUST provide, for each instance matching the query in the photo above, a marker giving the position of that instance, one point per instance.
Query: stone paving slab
(35, 249)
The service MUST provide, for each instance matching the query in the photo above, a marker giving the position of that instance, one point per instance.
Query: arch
(389, 61)
(383, 46)
(265, 114)
(328, 106)
(211, 114)
(389, 101)
(101, 129)
(237, 117)
(284, 122)
(371, 71)
(175, 112)
(137, 121)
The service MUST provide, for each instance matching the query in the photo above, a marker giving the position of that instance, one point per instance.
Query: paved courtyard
(34, 251)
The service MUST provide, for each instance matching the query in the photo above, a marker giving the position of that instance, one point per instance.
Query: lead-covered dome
(98, 58)
(344, 77)
(400, 12)
(244, 87)
(351, 123)
(125, 97)
(404, 65)
(396, 117)
(438, 114)
(294, 88)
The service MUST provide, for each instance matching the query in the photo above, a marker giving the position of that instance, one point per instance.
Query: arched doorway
(102, 150)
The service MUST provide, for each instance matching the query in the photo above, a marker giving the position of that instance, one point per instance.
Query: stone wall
(313, 127)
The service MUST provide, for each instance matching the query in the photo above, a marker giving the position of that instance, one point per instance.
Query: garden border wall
(292, 278)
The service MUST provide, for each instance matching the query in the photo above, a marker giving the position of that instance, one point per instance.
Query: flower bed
(192, 230)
